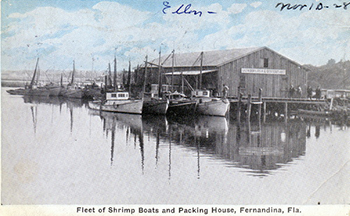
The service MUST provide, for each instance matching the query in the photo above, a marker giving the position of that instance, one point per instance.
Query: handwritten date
(318, 7)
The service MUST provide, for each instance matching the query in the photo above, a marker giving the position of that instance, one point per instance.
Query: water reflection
(257, 148)
(71, 104)
(131, 123)
(34, 111)
(267, 147)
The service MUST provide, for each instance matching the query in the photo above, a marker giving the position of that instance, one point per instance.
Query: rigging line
(197, 59)
(166, 58)
(47, 75)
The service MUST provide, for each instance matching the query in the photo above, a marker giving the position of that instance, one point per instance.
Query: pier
(262, 106)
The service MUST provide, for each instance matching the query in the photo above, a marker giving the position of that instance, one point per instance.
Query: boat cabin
(154, 89)
(117, 95)
(200, 93)
(175, 96)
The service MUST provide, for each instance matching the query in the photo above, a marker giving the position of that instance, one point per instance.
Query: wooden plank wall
(272, 85)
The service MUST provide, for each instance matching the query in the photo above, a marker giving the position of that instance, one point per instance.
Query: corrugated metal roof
(210, 58)
(188, 73)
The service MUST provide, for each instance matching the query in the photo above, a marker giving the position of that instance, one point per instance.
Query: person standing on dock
(318, 92)
(309, 92)
(291, 91)
(225, 91)
(299, 91)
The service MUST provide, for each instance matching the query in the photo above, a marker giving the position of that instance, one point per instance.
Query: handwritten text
(182, 9)
(318, 6)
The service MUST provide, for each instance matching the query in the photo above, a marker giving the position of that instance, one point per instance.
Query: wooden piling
(249, 107)
(239, 104)
(286, 111)
(264, 115)
(260, 100)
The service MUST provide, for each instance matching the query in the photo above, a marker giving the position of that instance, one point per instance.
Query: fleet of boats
(111, 99)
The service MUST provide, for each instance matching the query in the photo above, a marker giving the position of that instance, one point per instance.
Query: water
(60, 152)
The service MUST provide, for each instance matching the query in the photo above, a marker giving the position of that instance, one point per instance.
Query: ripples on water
(65, 153)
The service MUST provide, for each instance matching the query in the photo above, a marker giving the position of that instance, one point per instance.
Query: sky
(92, 32)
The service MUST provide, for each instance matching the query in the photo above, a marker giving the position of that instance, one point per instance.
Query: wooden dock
(272, 105)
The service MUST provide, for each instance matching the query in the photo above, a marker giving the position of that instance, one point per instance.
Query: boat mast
(129, 78)
(200, 71)
(34, 75)
(37, 75)
(172, 72)
(61, 80)
(115, 74)
(109, 75)
(145, 78)
(159, 76)
(73, 73)
(106, 82)
(182, 82)
(92, 68)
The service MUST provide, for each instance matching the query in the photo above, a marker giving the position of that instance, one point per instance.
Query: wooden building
(247, 68)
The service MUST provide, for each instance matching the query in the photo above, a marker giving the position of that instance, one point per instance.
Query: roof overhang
(189, 73)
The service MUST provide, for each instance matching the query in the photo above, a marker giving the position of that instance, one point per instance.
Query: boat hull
(155, 106)
(213, 107)
(19, 91)
(182, 107)
(93, 93)
(74, 93)
(127, 106)
(39, 92)
(55, 91)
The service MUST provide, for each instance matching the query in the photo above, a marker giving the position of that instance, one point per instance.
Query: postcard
(164, 107)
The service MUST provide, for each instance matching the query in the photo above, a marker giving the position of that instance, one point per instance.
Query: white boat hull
(219, 107)
(125, 106)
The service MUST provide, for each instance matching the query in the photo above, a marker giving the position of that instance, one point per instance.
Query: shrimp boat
(73, 90)
(179, 104)
(33, 89)
(207, 105)
(152, 105)
(119, 102)
(54, 90)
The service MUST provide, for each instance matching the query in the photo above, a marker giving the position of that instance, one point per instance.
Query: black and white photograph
(169, 107)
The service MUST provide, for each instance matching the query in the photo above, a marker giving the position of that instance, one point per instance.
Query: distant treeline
(9, 83)
(333, 75)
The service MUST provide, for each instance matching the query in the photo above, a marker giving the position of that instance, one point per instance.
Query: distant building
(249, 68)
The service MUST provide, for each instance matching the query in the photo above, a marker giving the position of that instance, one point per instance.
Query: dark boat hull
(182, 107)
(54, 90)
(155, 106)
(38, 92)
(74, 93)
(19, 91)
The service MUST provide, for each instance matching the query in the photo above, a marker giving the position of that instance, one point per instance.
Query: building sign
(263, 71)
